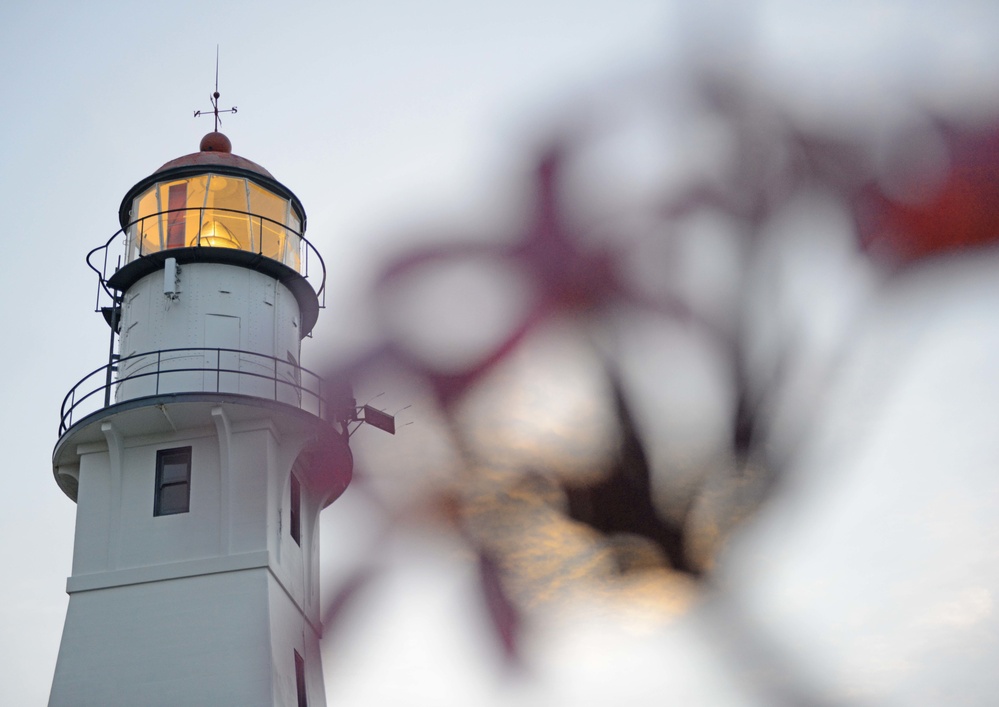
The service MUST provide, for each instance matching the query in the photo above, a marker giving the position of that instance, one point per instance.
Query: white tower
(201, 455)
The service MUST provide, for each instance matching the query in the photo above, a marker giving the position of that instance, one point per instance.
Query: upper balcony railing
(195, 370)
(215, 228)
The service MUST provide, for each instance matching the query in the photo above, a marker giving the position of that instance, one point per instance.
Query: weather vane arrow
(215, 96)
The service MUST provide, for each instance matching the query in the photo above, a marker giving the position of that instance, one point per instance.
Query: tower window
(303, 700)
(173, 481)
(296, 510)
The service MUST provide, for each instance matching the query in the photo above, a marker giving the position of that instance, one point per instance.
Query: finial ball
(215, 142)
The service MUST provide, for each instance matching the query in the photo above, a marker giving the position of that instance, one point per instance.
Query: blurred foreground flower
(618, 503)
(946, 200)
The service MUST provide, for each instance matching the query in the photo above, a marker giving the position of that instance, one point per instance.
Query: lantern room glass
(218, 211)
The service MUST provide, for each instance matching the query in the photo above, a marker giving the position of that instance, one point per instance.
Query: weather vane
(215, 96)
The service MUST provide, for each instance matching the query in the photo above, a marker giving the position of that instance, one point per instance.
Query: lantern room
(213, 199)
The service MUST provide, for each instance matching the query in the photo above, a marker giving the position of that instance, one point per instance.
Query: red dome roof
(216, 151)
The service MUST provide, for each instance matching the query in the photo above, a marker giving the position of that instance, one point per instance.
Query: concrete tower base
(225, 638)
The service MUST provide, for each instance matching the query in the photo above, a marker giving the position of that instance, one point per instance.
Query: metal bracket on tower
(373, 416)
(171, 278)
(379, 419)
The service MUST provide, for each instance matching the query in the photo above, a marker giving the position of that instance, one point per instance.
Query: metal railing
(216, 370)
(308, 257)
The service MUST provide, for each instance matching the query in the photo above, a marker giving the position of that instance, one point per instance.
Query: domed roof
(216, 151)
(215, 156)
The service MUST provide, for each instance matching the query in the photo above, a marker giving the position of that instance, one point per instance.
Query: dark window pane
(296, 510)
(174, 472)
(300, 680)
(174, 499)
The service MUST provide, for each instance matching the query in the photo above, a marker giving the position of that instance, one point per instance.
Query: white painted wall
(205, 607)
(216, 305)
(202, 640)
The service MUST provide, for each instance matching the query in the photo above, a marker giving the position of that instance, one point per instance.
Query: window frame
(173, 455)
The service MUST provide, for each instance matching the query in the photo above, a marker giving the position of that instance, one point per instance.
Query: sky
(399, 122)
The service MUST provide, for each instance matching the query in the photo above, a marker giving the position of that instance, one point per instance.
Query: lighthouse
(201, 454)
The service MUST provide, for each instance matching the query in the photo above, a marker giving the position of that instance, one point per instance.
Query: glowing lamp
(215, 235)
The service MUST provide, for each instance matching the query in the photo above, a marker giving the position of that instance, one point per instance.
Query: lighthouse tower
(202, 454)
